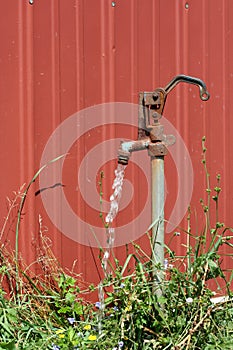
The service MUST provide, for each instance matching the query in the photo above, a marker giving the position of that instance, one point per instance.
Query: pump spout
(127, 147)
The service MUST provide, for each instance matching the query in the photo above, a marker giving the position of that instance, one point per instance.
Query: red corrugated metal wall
(58, 57)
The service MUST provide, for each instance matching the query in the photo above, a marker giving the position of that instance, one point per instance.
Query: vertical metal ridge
(155, 13)
(224, 114)
(26, 122)
(185, 32)
(112, 52)
(178, 64)
(177, 58)
(133, 74)
(79, 33)
(133, 51)
(103, 49)
(29, 85)
(186, 53)
(21, 94)
(185, 100)
(55, 93)
(55, 63)
(177, 38)
(29, 115)
(204, 54)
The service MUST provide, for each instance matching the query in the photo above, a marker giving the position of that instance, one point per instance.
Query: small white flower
(189, 300)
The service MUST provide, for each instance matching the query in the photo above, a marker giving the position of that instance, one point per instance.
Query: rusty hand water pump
(152, 138)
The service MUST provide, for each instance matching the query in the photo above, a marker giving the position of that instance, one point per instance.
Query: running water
(114, 208)
(110, 234)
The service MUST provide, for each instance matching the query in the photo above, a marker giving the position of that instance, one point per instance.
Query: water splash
(101, 306)
(114, 209)
(110, 234)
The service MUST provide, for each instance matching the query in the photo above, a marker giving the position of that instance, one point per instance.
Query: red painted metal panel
(58, 57)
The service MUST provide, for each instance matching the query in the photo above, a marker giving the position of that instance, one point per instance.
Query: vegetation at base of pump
(46, 309)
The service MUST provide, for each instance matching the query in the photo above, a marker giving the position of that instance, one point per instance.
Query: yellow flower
(60, 333)
(128, 307)
(92, 337)
(87, 327)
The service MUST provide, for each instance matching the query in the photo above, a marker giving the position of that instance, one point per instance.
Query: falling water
(110, 231)
(114, 208)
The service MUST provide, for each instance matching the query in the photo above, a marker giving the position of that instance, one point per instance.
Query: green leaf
(64, 310)
(9, 346)
(78, 309)
(70, 297)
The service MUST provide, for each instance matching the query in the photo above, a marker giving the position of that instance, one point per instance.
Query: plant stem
(22, 202)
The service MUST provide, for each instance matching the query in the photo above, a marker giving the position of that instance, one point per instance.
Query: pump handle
(204, 94)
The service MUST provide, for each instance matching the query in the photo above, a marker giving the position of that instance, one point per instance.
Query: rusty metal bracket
(157, 149)
(151, 105)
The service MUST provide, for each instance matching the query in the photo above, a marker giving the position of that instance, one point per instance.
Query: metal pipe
(127, 147)
(157, 188)
(132, 146)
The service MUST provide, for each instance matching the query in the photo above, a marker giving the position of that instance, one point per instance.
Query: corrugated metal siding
(58, 57)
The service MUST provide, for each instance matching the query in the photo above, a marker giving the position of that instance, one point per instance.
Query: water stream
(114, 208)
(110, 233)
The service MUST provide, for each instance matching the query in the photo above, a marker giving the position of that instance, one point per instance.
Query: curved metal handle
(204, 94)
